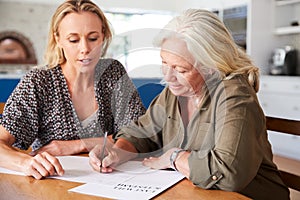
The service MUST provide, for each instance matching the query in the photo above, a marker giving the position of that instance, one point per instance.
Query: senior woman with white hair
(207, 123)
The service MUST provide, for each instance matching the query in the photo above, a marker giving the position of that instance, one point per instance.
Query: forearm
(12, 159)
(125, 149)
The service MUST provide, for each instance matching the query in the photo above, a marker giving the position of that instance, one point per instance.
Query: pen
(103, 150)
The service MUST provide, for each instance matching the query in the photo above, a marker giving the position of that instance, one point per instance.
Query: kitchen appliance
(284, 61)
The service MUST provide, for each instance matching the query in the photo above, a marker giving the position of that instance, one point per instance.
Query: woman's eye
(180, 70)
(93, 39)
(73, 41)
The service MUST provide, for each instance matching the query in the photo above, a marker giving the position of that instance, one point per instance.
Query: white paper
(142, 186)
(7, 171)
(77, 169)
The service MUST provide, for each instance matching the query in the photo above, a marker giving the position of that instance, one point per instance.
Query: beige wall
(32, 20)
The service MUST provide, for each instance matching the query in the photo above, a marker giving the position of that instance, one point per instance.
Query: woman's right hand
(110, 158)
(114, 155)
(42, 165)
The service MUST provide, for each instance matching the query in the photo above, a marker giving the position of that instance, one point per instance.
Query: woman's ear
(56, 36)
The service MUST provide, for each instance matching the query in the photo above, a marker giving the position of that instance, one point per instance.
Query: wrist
(173, 158)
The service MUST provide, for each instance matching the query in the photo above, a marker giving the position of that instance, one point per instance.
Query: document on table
(142, 186)
(77, 169)
(130, 180)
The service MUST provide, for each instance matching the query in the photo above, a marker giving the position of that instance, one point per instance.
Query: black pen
(103, 150)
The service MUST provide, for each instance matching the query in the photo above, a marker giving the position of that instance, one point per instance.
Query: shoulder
(40, 73)
(111, 64)
(165, 98)
(110, 69)
(237, 85)
(108, 62)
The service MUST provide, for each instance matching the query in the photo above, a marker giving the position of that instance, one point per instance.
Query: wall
(165, 5)
(30, 19)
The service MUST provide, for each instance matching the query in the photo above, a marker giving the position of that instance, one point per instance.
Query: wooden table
(14, 187)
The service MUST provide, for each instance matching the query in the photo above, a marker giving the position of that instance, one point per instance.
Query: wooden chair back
(286, 126)
(1, 107)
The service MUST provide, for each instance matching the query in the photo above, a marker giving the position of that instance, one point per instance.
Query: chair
(286, 126)
(149, 91)
(1, 107)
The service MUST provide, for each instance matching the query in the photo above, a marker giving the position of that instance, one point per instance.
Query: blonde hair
(211, 44)
(54, 55)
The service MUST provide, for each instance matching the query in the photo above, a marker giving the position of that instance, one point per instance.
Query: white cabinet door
(280, 97)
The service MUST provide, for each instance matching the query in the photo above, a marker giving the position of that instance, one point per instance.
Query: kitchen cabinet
(286, 12)
(279, 96)
(269, 27)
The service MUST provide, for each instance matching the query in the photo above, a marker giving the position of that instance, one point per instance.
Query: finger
(108, 161)
(54, 163)
(31, 171)
(106, 169)
(94, 165)
(39, 164)
(35, 174)
(47, 166)
(94, 156)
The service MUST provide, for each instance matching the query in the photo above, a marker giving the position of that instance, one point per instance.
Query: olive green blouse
(226, 137)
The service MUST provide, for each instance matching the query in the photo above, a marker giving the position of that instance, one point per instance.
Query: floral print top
(40, 108)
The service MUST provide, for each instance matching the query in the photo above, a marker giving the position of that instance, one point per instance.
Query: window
(132, 41)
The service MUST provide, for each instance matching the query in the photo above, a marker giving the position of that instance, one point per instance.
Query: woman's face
(180, 74)
(80, 36)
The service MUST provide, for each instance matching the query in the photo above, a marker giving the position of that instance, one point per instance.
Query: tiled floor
(291, 166)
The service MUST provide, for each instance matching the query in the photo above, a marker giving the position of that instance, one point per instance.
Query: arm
(70, 147)
(39, 166)
(239, 141)
(223, 149)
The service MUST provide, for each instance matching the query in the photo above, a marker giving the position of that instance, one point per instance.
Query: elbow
(219, 181)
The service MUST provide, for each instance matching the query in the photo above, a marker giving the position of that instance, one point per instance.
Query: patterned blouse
(40, 108)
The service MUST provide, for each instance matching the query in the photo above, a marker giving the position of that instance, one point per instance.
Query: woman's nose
(169, 74)
(84, 46)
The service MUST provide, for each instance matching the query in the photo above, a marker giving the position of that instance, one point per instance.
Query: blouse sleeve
(118, 95)
(240, 142)
(20, 116)
(146, 132)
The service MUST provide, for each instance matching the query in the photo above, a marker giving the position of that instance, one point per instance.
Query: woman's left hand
(161, 162)
(61, 148)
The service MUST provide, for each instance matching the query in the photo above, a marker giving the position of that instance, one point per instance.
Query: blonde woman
(65, 107)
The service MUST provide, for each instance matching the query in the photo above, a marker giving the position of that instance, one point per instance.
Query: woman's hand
(61, 148)
(114, 155)
(111, 158)
(161, 162)
(42, 165)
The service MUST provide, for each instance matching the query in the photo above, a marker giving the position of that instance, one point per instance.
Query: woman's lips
(174, 86)
(85, 61)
